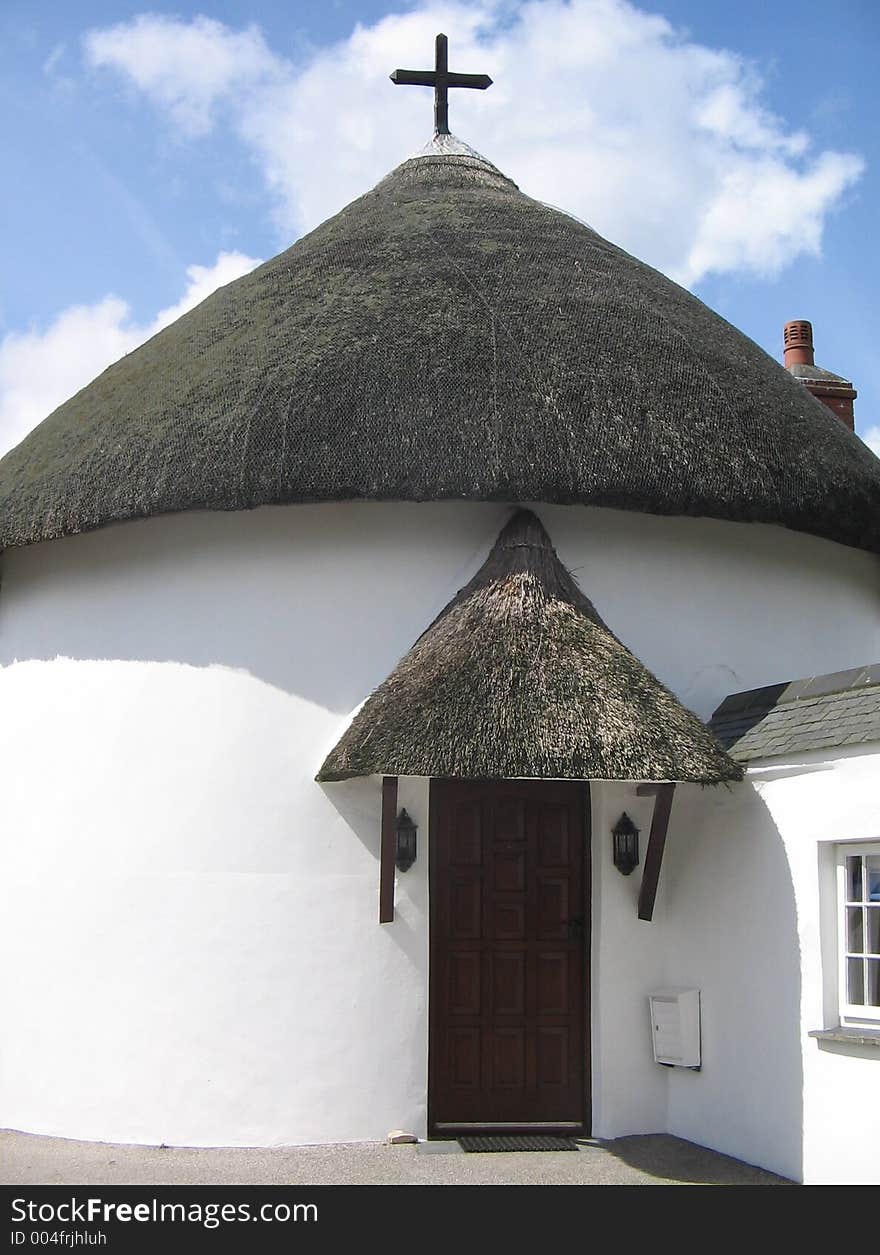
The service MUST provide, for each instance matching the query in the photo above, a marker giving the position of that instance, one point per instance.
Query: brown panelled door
(509, 1040)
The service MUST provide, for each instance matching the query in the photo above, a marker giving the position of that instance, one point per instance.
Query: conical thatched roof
(446, 337)
(519, 677)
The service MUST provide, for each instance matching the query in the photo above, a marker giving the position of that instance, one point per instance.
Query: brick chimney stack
(832, 390)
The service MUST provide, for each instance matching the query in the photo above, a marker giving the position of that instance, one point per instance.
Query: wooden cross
(441, 80)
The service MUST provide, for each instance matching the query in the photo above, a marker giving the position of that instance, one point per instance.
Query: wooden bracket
(662, 794)
(387, 849)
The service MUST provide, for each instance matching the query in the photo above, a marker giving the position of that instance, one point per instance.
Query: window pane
(873, 869)
(854, 878)
(855, 937)
(855, 981)
(873, 998)
(872, 914)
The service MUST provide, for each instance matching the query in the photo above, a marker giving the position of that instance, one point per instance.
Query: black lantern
(406, 842)
(625, 836)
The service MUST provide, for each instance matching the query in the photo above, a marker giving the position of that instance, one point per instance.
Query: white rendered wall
(197, 958)
(815, 805)
(732, 934)
(629, 1089)
(193, 919)
(751, 922)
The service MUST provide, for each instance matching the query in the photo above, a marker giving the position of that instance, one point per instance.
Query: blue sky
(151, 152)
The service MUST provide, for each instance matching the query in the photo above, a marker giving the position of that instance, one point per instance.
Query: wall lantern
(625, 836)
(405, 855)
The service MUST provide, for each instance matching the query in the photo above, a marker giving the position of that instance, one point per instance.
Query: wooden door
(509, 983)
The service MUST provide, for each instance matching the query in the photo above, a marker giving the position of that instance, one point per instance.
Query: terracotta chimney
(832, 390)
(797, 336)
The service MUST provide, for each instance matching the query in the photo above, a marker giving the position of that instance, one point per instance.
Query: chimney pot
(797, 337)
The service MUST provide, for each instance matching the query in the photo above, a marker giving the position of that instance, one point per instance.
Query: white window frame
(852, 1012)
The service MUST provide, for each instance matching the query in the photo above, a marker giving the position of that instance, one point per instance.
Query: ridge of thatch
(446, 337)
(519, 677)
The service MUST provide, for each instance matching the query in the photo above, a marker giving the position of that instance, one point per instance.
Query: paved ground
(655, 1160)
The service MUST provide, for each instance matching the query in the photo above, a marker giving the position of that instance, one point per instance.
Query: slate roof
(518, 677)
(817, 374)
(445, 337)
(822, 712)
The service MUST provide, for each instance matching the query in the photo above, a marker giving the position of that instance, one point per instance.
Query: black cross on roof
(441, 80)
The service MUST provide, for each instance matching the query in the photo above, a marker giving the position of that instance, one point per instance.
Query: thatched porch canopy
(519, 677)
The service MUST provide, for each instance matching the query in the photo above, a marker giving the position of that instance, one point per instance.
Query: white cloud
(184, 66)
(40, 369)
(663, 145)
(791, 204)
(871, 438)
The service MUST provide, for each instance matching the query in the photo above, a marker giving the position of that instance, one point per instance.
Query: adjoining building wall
(750, 897)
(194, 919)
(816, 804)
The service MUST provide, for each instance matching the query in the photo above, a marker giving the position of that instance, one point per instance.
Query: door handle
(576, 926)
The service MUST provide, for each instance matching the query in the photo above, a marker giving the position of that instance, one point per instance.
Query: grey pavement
(658, 1159)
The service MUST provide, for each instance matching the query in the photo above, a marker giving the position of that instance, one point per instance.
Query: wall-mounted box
(675, 1027)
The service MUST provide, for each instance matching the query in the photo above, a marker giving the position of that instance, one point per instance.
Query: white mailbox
(675, 1026)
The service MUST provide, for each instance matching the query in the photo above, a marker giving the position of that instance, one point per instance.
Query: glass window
(858, 869)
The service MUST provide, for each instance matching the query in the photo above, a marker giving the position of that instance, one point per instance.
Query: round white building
(215, 554)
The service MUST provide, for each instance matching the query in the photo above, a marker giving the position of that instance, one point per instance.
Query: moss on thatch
(446, 337)
(519, 677)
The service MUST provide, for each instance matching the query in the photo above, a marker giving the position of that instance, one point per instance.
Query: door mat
(523, 1142)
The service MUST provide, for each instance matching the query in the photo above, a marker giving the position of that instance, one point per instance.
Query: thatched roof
(446, 337)
(519, 677)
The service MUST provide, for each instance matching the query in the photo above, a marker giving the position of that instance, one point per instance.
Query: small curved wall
(194, 919)
(732, 932)
(816, 802)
